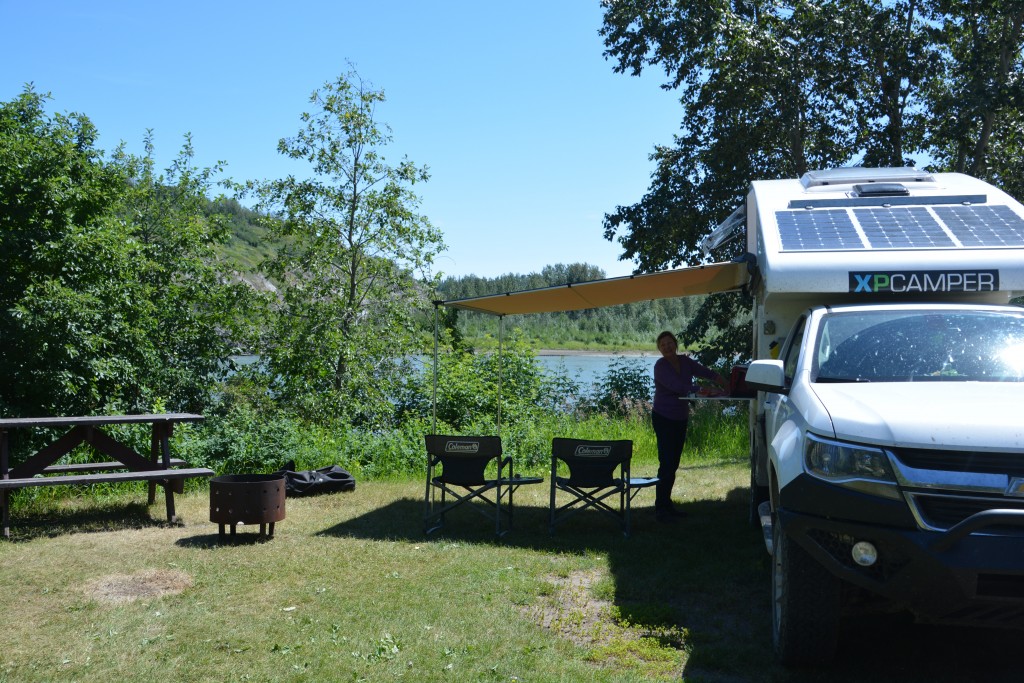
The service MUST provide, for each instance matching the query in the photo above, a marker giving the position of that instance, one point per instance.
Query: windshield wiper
(843, 380)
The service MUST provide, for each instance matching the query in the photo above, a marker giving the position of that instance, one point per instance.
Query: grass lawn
(351, 590)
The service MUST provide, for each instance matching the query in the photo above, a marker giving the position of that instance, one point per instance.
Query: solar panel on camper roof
(810, 230)
(983, 226)
(900, 228)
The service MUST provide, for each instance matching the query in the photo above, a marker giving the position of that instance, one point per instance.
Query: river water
(583, 368)
(587, 368)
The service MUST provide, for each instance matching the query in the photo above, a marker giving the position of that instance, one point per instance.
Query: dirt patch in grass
(574, 612)
(149, 583)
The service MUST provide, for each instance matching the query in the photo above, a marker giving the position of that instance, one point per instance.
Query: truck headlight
(859, 467)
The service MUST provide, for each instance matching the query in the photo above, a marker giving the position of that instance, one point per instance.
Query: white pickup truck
(887, 437)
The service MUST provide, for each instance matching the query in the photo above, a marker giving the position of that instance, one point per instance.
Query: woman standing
(673, 381)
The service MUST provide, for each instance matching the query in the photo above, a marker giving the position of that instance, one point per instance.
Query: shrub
(624, 390)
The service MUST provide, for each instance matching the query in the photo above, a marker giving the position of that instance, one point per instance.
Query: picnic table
(125, 464)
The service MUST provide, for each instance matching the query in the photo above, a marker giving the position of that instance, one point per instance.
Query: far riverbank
(595, 352)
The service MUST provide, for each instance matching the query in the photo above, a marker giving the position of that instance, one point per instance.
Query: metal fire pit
(247, 499)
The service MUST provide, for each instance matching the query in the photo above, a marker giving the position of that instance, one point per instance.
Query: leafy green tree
(772, 90)
(109, 299)
(68, 275)
(564, 274)
(194, 307)
(353, 261)
(976, 94)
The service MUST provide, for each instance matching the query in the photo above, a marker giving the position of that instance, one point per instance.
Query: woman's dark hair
(666, 333)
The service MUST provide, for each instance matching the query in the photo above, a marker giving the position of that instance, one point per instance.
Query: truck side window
(792, 353)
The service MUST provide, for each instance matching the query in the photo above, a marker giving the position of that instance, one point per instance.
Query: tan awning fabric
(707, 279)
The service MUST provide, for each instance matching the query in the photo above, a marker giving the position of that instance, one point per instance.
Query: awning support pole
(433, 399)
(501, 364)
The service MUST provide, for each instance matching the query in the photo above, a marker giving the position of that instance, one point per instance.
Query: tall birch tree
(355, 259)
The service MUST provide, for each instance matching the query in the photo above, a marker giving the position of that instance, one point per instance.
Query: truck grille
(1011, 464)
(943, 511)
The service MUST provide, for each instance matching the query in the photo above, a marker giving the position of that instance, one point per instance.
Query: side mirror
(766, 375)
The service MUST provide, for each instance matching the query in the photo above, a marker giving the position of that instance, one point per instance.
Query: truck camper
(887, 436)
(887, 427)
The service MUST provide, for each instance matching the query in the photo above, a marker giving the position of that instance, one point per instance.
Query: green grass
(351, 590)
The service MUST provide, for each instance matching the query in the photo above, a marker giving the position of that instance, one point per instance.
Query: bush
(247, 432)
(625, 389)
(469, 386)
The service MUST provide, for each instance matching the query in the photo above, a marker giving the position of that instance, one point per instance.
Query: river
(582, 367)
(587, 368)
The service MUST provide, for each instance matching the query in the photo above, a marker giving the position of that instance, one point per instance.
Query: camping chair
(592, 479)
(457, 467)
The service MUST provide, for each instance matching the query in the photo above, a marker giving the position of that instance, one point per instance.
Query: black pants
(671, 436)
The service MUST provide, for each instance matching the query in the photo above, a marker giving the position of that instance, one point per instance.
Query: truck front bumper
(971, 574)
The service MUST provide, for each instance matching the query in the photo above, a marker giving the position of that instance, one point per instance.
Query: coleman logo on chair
(461, 447)
(593, 451)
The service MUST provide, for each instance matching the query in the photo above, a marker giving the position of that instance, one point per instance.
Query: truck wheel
(805, 604)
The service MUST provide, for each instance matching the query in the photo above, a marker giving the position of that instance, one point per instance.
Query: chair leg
(497, 510)
(551, 508)
(490, 496)
(624, 504)
(444, 503)
(434, 521)
(511, 507)
(5, 501)
(427, 500)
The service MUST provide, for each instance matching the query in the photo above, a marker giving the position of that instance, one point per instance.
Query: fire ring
(247, 499)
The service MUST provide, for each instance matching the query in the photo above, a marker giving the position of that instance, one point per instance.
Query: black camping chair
(593, 479)
(457, 466)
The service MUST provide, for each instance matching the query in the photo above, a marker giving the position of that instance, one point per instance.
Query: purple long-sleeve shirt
(670, 385)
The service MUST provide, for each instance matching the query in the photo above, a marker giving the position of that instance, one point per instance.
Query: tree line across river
(626, 327)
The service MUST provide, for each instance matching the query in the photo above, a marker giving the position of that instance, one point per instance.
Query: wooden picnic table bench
(42, 469)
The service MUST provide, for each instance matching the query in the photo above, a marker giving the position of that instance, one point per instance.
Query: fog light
(865, 554)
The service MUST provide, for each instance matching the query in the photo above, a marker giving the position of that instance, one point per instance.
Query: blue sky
(529, 135)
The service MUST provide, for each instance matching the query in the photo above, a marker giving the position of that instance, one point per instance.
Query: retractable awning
(706, 279)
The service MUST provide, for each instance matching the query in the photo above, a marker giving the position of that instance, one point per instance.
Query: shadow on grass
(211, 541)
(710, 574)
(49, 522)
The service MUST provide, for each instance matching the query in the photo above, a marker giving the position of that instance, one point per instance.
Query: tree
(976, 94)
(772, 90)
(195, 306)
(354, 260)
(564, 274)
(109, 297)
(68, 276)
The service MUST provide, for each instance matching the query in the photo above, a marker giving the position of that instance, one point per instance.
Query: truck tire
(758, 494)
(805, 604)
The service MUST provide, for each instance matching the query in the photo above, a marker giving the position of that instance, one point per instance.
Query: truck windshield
(916, 346)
